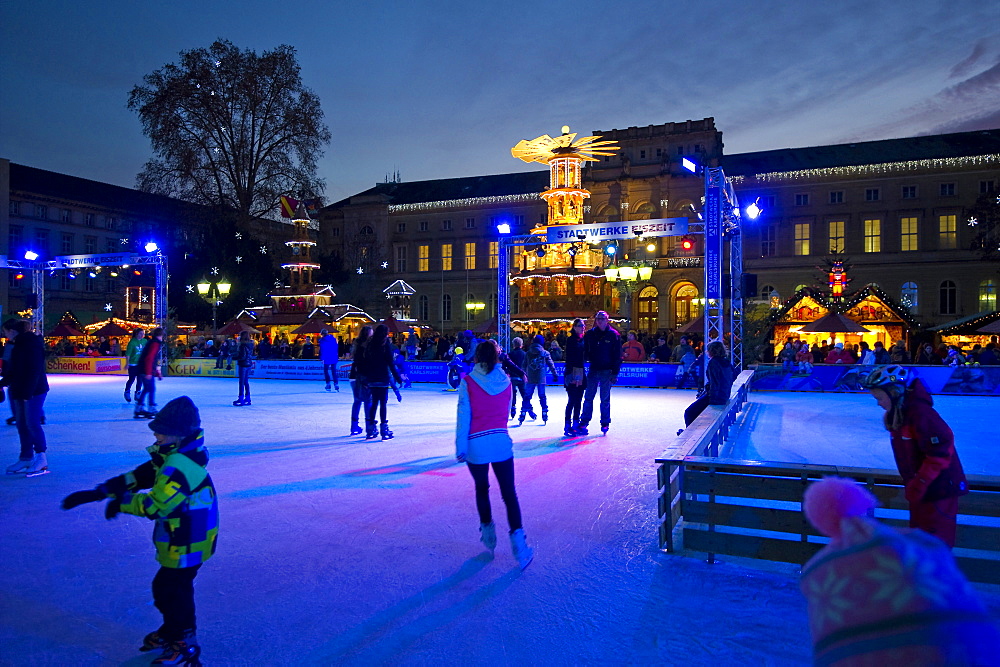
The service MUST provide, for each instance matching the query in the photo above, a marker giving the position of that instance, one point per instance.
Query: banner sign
(608, 231)
(713, 235)
(88, 365)
(978, 380)
(198, 367)
(109, 259)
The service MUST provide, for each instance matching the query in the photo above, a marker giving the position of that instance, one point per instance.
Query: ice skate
(19, 466)
(568, 429)
(39, 466)
(520, 420)
(152, 642)
(11, 421)
(239, 401)
(545, 416)
(336, 388)
(581, 429)
(513, 412)
(531, 415)
(384, 430)
(488, 535)
(246, 401)
(519, 547)
(181, 652)
(356, 429)
(128, 396)
(604, 428)
(371, 432)
(328, 387)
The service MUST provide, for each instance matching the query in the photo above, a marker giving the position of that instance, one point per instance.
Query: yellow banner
(199, 368)
(88, 365)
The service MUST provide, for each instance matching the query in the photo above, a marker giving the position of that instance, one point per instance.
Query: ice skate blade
(37, 473)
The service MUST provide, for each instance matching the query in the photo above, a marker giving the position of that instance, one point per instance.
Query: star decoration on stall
(263, 250)
(359, 270)
(973, 222)
(239, 260)
(144, 298)
(250, 300)
(215, 271)
(107, 307)
(385, 265)
(190, 289)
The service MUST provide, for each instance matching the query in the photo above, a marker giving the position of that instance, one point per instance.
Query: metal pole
(38, 312)
(714, 181)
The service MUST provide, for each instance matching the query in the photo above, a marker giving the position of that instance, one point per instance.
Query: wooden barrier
(753, 509)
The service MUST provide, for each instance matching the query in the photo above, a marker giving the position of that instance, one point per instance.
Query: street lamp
(214, 293)
(625, 277)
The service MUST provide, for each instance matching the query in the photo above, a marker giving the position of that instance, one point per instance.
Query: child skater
(481, 440)
(183, 503)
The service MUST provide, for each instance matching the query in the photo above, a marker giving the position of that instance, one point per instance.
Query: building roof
(468, 187)
(40, 182)
(959, 144)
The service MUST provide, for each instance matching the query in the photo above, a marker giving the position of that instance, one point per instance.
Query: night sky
(444, 89)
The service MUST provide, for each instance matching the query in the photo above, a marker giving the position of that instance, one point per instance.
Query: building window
(947, 189)
(659, 152)
(88, 219)
(470, 256)
(470, 223)
(90, 244)
(872, 194)
(987, 295)
(947, 298)
(335, 231)
(110, 245)
(543, 218)
(14, 208)
(41, 211)
(422, 308)
(446, 258)
(768, 292)
(67, 244)
(802, 239)
(15, 237)
(423, 225)
(802, 200)
(768, 203)
(66, 215)
(642, 154)
(987, 187)
(401, 259)
(423, 258)
(446, 307)
(65, 282)
(366, 231)
(494, 254)
(908, 234)
(837, 197)
(873, 235)
(446, 225)
(908, 296)
(909, 192)
(110, 223)
(836, 236)
(400, 227)
(41, 241)
(768, 234)
(947, 232)
(89, 285)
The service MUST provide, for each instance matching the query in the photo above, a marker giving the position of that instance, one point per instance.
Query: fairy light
(878, 169)
(461, 203)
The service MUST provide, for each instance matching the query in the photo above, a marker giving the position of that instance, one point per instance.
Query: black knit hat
(178, 417)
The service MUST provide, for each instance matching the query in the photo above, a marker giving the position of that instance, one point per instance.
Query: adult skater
(720, 382)
(602, 347)
(244, 364)
(329, 353)
(185, 507)
(924, 448)
(537, 361)
(358, 387)
(132, 352)
(25, 380)
(574, 377)
(376, 366)
(149, 366)
(517, 357)
(481, 440)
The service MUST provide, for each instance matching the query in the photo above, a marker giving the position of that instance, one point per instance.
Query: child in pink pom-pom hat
(878, 596)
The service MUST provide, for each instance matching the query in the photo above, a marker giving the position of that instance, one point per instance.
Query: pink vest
(489, 412)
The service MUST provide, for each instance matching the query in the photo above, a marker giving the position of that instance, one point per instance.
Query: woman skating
(481, 440)
(361, 397)
(375, 369)
(575, 377)
(244, 364)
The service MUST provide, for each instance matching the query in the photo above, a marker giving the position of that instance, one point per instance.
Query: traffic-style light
(687, 244)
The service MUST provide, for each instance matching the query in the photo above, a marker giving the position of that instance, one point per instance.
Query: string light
(882, 168)
(461, 203)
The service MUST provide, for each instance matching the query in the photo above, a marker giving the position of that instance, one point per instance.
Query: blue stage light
(30, 255)
(151, 247)
(503, 228)
(689, 165)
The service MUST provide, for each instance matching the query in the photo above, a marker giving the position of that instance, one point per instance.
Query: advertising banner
(713, 235)
(198, 368)
(616, 230)
(979, 380)
(88, 365)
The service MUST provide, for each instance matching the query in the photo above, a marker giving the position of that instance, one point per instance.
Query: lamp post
(214, 293)
(625, 277)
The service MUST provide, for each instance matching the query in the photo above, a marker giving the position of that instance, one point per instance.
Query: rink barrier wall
(968, 380)
(753, 509)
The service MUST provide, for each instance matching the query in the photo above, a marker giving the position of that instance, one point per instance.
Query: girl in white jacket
(481, 439)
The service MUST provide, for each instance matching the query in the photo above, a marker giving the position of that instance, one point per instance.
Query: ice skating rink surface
(334, 550)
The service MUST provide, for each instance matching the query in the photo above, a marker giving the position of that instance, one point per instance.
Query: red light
(19, 276)
(687, 244)
(137, 272)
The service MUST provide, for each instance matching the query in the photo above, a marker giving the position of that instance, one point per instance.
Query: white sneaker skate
(522, 552)
(19, 466)
(39, 465)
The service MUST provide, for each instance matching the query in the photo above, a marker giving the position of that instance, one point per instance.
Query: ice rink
(333, 550)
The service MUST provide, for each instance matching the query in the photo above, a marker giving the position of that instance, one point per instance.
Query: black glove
(80, 497)
(113, 508)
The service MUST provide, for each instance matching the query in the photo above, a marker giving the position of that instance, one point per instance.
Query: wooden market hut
(967, 331)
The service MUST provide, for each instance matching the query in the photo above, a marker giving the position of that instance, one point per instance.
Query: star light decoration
(239, 260)
(263, 250)
(190, 289)
(359, 270)
(107, 307)
(973, 221)
(385, 265)
(215, 271)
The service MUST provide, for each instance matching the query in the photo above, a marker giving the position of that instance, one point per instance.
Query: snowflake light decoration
(215, 271)
(123, 241)
(973, 221)
(263, 250)
(359, 270)
(239, 260)
(190, 289)
(385, 265)
(250, 300)
(144, 298)
(107, 307)
(239, 235)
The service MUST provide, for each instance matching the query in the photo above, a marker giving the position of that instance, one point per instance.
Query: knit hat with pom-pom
(880, 596)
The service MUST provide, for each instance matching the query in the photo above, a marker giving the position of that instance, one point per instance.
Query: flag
(312, 206)
(288, 206)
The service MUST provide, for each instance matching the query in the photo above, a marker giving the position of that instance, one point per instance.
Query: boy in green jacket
(183, 503)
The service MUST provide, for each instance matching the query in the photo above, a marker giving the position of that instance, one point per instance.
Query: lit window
(873, 235)
(836, 236)
(987, 295)
(494, 254)
(947, 232)
(908, 234)
(802, 239)
(446, 257)
(423, 258)
(908, 296)
(470, 256)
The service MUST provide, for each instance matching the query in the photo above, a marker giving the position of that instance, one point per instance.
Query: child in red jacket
(924, 448)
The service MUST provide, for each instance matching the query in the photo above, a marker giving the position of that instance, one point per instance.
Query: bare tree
(231, 128)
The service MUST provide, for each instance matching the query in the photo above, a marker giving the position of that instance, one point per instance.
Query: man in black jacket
(28, 386)
(602, 347)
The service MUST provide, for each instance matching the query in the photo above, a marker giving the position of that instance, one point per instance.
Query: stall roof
(967, 325)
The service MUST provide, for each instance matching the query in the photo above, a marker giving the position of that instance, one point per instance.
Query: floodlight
(651, 247)
(503, 228)
(30, 255)
(753, 211)
(611, 249)
(151, 247)
(689, 165)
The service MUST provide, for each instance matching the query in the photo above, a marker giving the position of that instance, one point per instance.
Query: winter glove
(113, 508)
(81, 497)
(916, 489)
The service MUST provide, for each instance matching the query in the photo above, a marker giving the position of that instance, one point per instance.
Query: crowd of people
(798, 355)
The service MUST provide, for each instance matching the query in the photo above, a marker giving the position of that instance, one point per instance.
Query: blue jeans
(28, 413)
(529, 391)
(328, 371)
(244, 375)
(597, 380)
